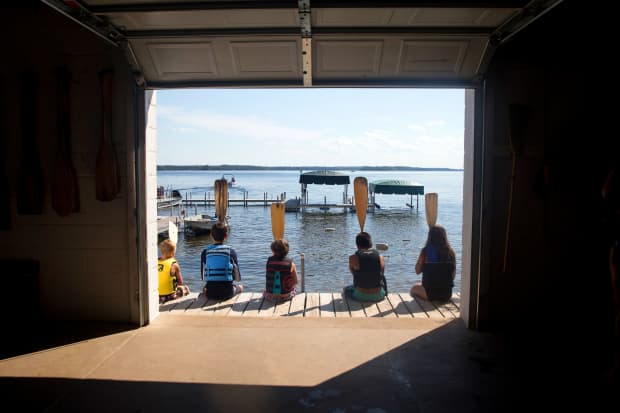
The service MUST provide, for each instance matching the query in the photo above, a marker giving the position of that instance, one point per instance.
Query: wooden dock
(327, 305)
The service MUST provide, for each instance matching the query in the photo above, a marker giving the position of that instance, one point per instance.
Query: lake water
(326, 252)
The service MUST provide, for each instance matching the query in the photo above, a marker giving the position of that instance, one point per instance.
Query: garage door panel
(204, 19)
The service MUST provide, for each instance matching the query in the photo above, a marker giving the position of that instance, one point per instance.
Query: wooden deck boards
(314, 305)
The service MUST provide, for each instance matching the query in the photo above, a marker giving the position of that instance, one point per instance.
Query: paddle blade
(430, 201)
(173, 232)
(221, 199)
(360, 189)
(277, 220)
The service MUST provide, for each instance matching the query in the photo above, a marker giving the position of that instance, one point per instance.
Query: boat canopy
(324, 178)
(395, 186)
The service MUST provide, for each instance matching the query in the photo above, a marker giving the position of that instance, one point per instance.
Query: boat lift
(394, 186)
(323, 178)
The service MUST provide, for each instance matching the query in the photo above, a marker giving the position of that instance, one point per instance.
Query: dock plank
(182, 304)
(327, 305)
(282, 308)
(170, 305)
(429, 308)
(312, 305)
(385, 308)
(254, 305)
(209, 307)
(224, 307)
(400, 309)
(197, 304)
(413, 306)
(370, 308)
(355, 307)
(240, 305)
(267, 308)
(341, 309)
(445, 308)
(298, 304)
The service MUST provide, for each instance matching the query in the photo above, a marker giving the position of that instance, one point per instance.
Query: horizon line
(295, 167)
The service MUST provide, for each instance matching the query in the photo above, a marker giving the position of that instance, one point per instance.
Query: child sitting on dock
(367, 267)
(219, 266)
(170, 279)
(281, 274)
(437, 287)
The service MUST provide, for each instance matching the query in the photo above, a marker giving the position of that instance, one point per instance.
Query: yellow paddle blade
(277, 220)
(430, 202)
(360, 189)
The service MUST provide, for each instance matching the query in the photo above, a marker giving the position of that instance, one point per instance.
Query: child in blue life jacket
(219, 265)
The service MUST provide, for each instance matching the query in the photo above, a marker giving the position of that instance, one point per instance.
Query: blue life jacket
(218, 266)
(432, 255)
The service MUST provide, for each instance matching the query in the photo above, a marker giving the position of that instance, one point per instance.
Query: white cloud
(252, 127)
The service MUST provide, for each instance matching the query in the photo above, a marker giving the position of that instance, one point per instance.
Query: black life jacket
(369, 275)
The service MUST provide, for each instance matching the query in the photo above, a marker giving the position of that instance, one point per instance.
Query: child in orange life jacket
(170, 279)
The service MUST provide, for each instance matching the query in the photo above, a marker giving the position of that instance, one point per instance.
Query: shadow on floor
(36, 335)
(449, 369)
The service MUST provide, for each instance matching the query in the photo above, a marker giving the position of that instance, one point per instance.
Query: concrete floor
(211, 364)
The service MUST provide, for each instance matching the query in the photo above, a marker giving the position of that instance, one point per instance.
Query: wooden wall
(553, 300)
(87, 259)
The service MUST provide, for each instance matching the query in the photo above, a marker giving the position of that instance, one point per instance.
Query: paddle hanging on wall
(31, 189)
(107, 177)
(65, 189)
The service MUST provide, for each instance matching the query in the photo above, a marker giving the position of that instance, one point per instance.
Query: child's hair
(280, 248)
(167, 247)
(219, 230)
(363, 240)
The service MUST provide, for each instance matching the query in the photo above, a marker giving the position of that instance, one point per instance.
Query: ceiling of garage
(305, 42)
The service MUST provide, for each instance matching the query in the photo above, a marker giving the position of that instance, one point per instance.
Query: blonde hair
(167, 247)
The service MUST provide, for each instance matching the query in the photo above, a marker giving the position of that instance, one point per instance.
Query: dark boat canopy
(394, 186)
(324, 178)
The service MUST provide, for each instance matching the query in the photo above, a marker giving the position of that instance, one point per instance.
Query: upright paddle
(360, 189)
(277, 220)
(221, 199)
(430, 201)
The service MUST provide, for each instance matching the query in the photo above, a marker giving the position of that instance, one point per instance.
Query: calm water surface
(326, 252)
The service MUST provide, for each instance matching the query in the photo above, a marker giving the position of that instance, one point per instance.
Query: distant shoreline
(294, 168)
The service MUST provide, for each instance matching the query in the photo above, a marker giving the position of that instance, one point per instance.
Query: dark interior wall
(86, 263)
(555, 295)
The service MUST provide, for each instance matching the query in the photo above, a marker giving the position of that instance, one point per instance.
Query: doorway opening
(266, 138)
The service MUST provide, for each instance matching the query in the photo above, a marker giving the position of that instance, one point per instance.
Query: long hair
(438, 238)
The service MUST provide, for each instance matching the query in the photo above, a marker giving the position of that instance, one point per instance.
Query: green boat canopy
(324, 178)
(395, 186)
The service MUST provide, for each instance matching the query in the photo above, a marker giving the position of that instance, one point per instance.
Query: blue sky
(326, 127)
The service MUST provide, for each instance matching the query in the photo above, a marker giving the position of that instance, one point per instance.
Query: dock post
(303, 273)
(205, 199)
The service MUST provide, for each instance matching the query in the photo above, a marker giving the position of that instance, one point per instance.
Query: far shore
(294, 168)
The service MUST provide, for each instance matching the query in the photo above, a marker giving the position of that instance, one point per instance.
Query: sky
(314, 127)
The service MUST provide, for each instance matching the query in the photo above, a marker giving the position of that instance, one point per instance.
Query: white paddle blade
(173, 232)
(360, 190)
(430, 201)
